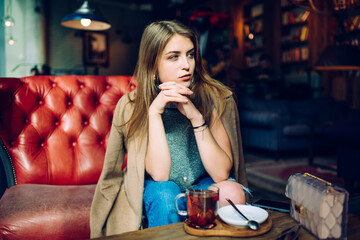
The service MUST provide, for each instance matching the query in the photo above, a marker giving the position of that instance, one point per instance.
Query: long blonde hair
(208, 93)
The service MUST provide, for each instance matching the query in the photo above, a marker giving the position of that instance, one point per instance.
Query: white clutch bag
(318, 206)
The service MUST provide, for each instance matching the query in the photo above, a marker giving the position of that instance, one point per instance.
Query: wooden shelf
(293, 25)
(302, 62)
(286, 44)
(355, 34)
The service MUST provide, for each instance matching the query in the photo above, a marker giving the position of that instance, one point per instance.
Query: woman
(179, 122)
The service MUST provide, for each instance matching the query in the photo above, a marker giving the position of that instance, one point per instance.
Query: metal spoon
(187, 184)
(254, 225)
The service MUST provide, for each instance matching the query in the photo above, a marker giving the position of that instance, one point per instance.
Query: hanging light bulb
(251, 36)
(8, 21)
(85, 18)
(85, 22)
(11, 41)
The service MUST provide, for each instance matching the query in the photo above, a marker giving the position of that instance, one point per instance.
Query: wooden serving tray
(223, 229)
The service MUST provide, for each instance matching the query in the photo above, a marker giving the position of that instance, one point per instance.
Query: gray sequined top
(185, 157)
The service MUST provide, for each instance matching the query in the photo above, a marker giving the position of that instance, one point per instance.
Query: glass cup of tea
(202, 205)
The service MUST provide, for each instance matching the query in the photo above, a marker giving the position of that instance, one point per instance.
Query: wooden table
(281, 221)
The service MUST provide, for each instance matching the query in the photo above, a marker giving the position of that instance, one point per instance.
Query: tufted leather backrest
(55, 128)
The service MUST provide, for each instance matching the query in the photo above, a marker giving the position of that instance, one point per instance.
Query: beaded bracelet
(205, 123)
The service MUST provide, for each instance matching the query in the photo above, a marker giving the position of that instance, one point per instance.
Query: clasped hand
(177, 94)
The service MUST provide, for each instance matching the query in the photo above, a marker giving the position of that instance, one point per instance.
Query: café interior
(293, 65)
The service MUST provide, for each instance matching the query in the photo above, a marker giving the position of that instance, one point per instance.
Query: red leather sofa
(53, 132)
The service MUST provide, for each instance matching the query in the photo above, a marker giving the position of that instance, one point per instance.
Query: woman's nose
(185, 63)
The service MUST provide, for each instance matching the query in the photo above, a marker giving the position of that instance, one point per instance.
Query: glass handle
(180, 212)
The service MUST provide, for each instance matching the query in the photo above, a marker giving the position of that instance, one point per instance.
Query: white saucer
(229, 215)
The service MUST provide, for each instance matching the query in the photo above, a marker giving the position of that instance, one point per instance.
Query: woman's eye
(191, 55)
(173, 57)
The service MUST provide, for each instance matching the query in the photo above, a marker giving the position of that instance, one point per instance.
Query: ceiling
(143, 5)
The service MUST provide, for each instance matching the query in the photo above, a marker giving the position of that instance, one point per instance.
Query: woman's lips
(186, 77)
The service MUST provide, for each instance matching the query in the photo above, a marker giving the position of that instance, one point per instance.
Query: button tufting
(69, 103)
(107, 86)
(56, 123)
(41, 102)
(53, 85)
(82, 85)
(73, 143)
(27, 121)
(86, 123)
(42, 144)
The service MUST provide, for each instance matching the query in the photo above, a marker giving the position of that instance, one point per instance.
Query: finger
(174, 96)
(185, 90)
(172, 93)
(177, 87)
(177, 100)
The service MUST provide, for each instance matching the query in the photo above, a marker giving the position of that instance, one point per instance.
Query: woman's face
(177, 61)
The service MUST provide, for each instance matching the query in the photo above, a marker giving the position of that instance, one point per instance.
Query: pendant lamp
(8, 20)
(85, 18)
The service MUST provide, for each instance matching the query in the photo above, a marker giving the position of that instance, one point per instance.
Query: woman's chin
(185, 83)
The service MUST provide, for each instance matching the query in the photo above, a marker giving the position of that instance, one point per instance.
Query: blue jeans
(159, 201)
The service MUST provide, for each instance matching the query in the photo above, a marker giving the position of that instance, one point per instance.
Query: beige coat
(117, 204)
